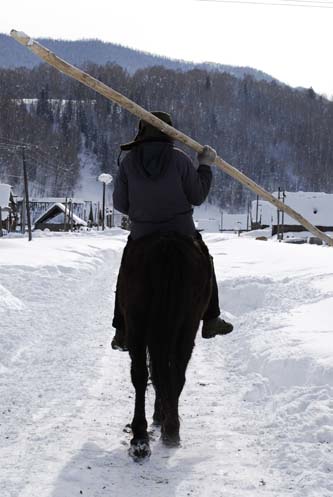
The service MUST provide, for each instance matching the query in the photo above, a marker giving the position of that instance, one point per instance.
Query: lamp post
(106, 180)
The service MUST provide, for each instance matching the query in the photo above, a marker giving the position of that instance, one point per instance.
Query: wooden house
(58, 218)
(40, 205)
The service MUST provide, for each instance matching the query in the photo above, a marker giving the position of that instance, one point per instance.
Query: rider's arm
(120, 192)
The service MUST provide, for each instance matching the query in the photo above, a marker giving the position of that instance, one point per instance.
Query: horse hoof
(139, 450)
(171, 441)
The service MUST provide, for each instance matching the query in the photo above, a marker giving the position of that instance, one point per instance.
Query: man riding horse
(156, 186)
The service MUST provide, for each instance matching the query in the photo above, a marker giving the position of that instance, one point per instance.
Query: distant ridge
(82, 51)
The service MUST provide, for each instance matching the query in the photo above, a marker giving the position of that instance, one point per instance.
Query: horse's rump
(164, 285)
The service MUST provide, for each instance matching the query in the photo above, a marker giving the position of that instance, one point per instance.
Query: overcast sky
(293, 44)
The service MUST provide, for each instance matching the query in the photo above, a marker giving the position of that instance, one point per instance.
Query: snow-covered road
(257, 408)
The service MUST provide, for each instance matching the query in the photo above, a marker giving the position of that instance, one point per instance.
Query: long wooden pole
(140, 112)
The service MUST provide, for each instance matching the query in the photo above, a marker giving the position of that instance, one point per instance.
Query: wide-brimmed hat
(147, 132)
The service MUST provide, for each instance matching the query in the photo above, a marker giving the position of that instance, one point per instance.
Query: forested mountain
(80, 52)
(276, 135)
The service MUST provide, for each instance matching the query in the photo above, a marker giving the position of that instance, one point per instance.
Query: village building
(7, 208)
(59, 218)
(39, 206)
(87, 210)
(316, 207)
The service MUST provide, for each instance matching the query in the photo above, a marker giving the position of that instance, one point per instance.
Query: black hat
(147, 132)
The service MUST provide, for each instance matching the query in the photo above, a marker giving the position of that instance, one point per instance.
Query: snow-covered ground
(257, 408)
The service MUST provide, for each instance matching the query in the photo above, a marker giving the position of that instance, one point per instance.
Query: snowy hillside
(79, 52)
(257, 408)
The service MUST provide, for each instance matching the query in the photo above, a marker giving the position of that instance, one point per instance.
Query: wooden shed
(54, 219)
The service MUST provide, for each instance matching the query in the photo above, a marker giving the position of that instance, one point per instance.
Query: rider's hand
(207, 156)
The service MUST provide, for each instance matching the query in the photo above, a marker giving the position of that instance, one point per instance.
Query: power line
(284, 3)
(45, 163)
(31, 149)
(315, 4)
(325, 2)
(14, 176)
(35, 181)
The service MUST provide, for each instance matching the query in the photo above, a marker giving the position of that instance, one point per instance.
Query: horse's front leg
(139, 372)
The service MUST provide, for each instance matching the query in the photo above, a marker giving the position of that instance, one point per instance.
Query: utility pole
(282, 215)
(248, 216)
(65, 215)
(257, 211)
(279, 228)
(26, 193)
(23, 217)
(1, 234)
(71, 212)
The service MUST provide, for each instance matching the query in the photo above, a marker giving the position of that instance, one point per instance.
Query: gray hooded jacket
(157, 185)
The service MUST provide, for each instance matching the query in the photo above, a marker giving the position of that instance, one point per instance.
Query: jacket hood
(152, 158)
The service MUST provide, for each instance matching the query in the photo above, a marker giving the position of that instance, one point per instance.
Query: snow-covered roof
(60, 208)
(4, 195)
(53, 200)
(56, 200)
(316, 207)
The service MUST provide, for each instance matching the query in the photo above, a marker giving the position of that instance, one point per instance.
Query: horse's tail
(175, 267)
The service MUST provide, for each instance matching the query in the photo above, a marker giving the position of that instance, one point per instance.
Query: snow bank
(279, 297)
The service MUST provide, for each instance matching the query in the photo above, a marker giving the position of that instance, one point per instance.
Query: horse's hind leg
(183, 355)
(178, 366)
(157, 416)
(139, 372)
(169, 408)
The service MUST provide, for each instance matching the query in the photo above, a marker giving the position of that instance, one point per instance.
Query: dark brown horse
(164, 288)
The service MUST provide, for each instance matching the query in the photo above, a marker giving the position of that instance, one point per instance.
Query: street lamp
(106, 180)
